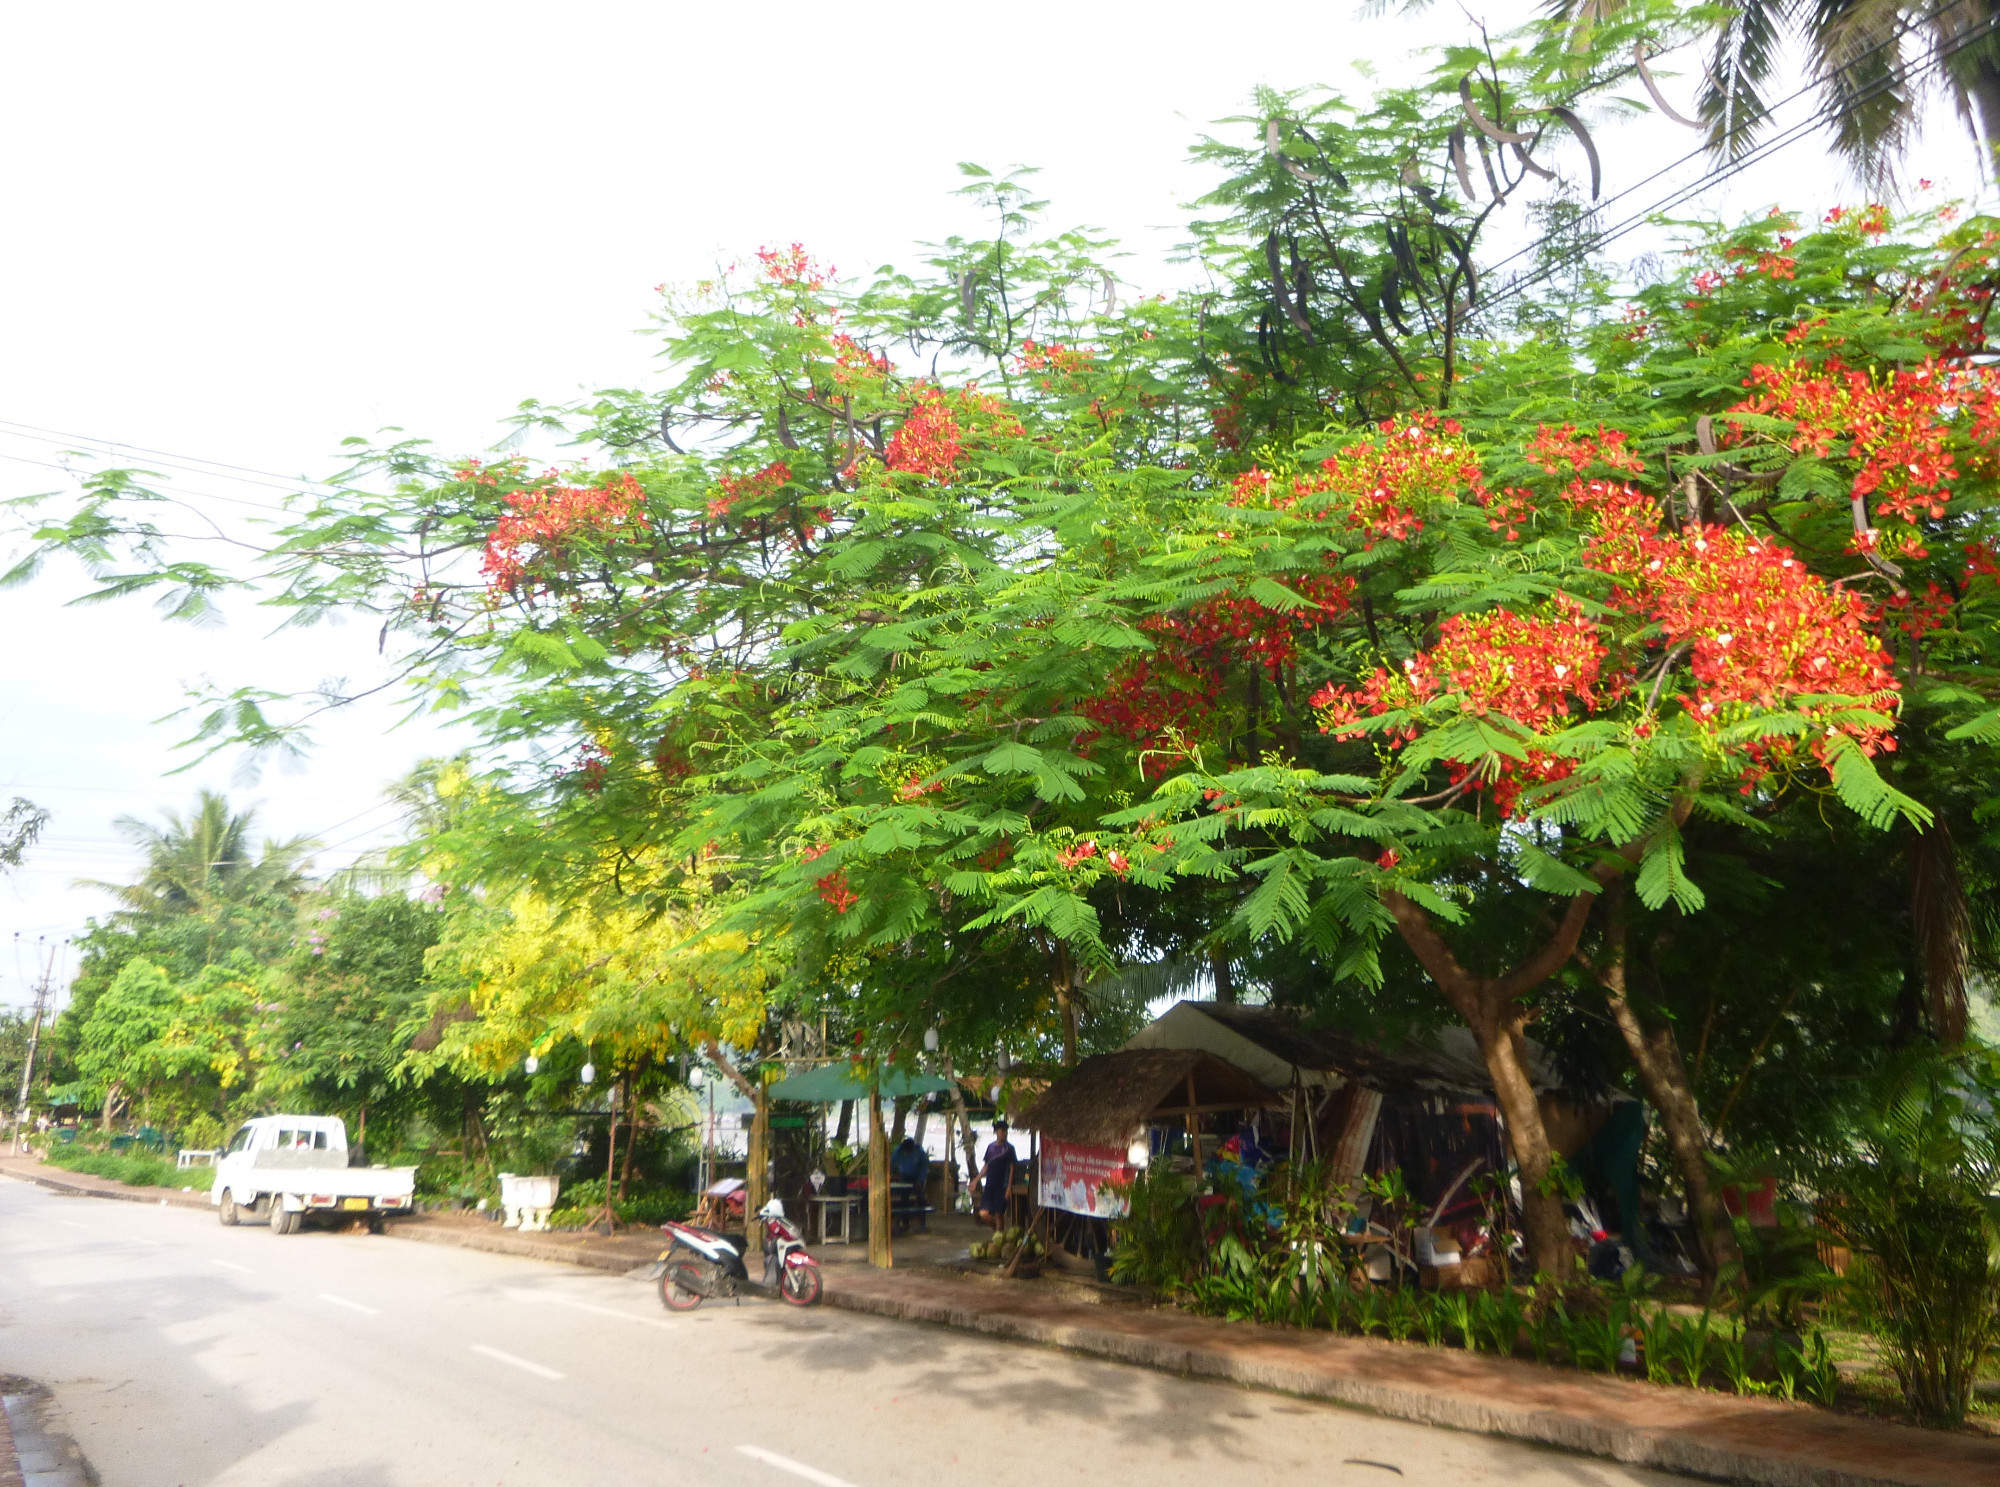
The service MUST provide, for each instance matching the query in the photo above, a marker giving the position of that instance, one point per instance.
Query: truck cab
(283, 1168)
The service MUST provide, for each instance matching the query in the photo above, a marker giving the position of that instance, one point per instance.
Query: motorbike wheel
(801, 1285)
(675, 1293)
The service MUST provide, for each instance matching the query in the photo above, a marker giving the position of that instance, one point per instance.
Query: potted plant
(841, 1162)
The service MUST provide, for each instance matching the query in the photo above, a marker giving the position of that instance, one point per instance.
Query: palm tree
(1874, 64)
(204, 862)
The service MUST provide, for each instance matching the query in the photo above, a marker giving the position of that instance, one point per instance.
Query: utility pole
(34, 1042)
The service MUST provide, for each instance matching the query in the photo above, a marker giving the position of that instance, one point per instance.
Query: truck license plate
(353, 1202)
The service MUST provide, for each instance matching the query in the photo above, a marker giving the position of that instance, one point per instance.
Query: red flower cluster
(914, 788)
(1068, 363)
(1536, 671)
(794, 265)
(543, 523)
(1898, 428)
(1564, 450)
(1421, 460)
(765, 482)
(1177, 688)
(854, 364)
(1081, 852)
(1764, 632)
(927, 444)
(1921, 614)
(834, 890)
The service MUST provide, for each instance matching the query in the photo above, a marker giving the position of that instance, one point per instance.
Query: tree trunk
(879, 1253)
(902, 1107)
(971, 1142)
(1225, 982)
(631, 1138)
(845, 1127)
(611, 1161)
(1492, 1008)
(110, 1105)
(756, 1169)
(1663, 1072)
(1543, 1224)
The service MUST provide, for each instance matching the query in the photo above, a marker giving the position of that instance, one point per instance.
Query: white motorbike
(702, 1264)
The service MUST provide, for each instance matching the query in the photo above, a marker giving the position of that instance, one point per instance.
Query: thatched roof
(1276, 1047)
(1108, 1100)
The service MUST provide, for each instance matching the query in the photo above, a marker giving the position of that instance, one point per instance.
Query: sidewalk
(1761, 1441)
(1720, 1436)
(82, 1184)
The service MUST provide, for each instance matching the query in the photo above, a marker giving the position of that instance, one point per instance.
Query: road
(183, 1354)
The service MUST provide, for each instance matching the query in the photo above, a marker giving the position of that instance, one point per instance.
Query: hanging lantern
(533, 1063)
(1004, 1063)
(694, 1078)
(930, 1040)
(588, 1074)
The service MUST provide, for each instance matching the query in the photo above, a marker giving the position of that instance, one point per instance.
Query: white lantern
(1004, 1063)
(533, 1063)
(1140, 1154)
(930, 1040)
(588, 1074)
(694, 1078)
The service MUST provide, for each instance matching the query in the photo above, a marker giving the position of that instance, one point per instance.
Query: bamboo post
(879, 1252)
(756, 1174)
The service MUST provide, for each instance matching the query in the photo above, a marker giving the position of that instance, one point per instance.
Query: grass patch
(133, 1171)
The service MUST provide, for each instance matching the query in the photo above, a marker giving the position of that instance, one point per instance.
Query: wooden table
(845, 1204)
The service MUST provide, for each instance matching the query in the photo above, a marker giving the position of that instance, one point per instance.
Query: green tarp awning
(832, 1082)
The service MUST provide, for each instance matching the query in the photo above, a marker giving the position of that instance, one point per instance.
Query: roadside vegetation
(934, 665)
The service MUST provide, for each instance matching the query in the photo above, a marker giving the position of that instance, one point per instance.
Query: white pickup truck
(286, 1167)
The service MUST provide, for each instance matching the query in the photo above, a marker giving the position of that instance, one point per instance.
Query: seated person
(910, 1163)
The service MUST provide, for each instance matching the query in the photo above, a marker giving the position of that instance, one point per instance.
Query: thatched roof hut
(1109, 1100)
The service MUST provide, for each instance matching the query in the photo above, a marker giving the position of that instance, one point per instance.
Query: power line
(56, 435)
(1761, 151)
(179, 490)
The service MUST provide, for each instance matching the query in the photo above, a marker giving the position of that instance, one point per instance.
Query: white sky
(240, 233)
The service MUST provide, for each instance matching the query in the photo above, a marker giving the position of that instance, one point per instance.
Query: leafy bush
(133, 1171)
(1911, 1202)
(1157, 1243)
(580, 1205)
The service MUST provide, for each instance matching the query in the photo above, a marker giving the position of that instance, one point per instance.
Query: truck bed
(296, 1172)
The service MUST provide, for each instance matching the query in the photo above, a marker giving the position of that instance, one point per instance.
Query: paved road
(184, 1353)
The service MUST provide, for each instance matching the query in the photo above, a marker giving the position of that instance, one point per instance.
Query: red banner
(1084, 1179)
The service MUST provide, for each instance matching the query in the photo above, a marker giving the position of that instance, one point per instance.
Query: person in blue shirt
(910, 1163)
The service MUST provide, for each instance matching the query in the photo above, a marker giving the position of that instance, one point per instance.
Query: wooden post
(756, 1171)
(879, 1253)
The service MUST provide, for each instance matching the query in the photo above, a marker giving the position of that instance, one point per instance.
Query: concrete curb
(506, 1242)
(170, 1197)
(1666, 1449)
(10, 1463)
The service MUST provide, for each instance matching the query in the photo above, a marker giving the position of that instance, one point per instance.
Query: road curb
(168, 1197)
(1662, 1449)
(504, 1242)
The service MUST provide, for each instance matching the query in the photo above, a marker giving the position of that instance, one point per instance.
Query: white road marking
(72, 1223)
(601, 1311)
(232, 1265)
(796, 1468)
(521, 1363)
(366, 1311)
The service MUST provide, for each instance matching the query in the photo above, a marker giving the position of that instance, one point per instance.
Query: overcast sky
(242, 233)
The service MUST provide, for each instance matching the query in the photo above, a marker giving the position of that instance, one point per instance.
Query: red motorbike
(702, 1264)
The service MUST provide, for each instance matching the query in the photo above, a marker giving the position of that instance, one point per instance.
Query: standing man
(996, 1177)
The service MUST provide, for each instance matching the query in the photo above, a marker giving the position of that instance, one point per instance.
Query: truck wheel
(227, 1212)
(281, 1221)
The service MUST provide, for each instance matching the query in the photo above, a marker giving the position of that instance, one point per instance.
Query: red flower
(833, 888)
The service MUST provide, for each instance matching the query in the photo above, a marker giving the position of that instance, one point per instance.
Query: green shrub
(1911, 1202)
(1158, 1242)
(133, 1171)
(581, 1204)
